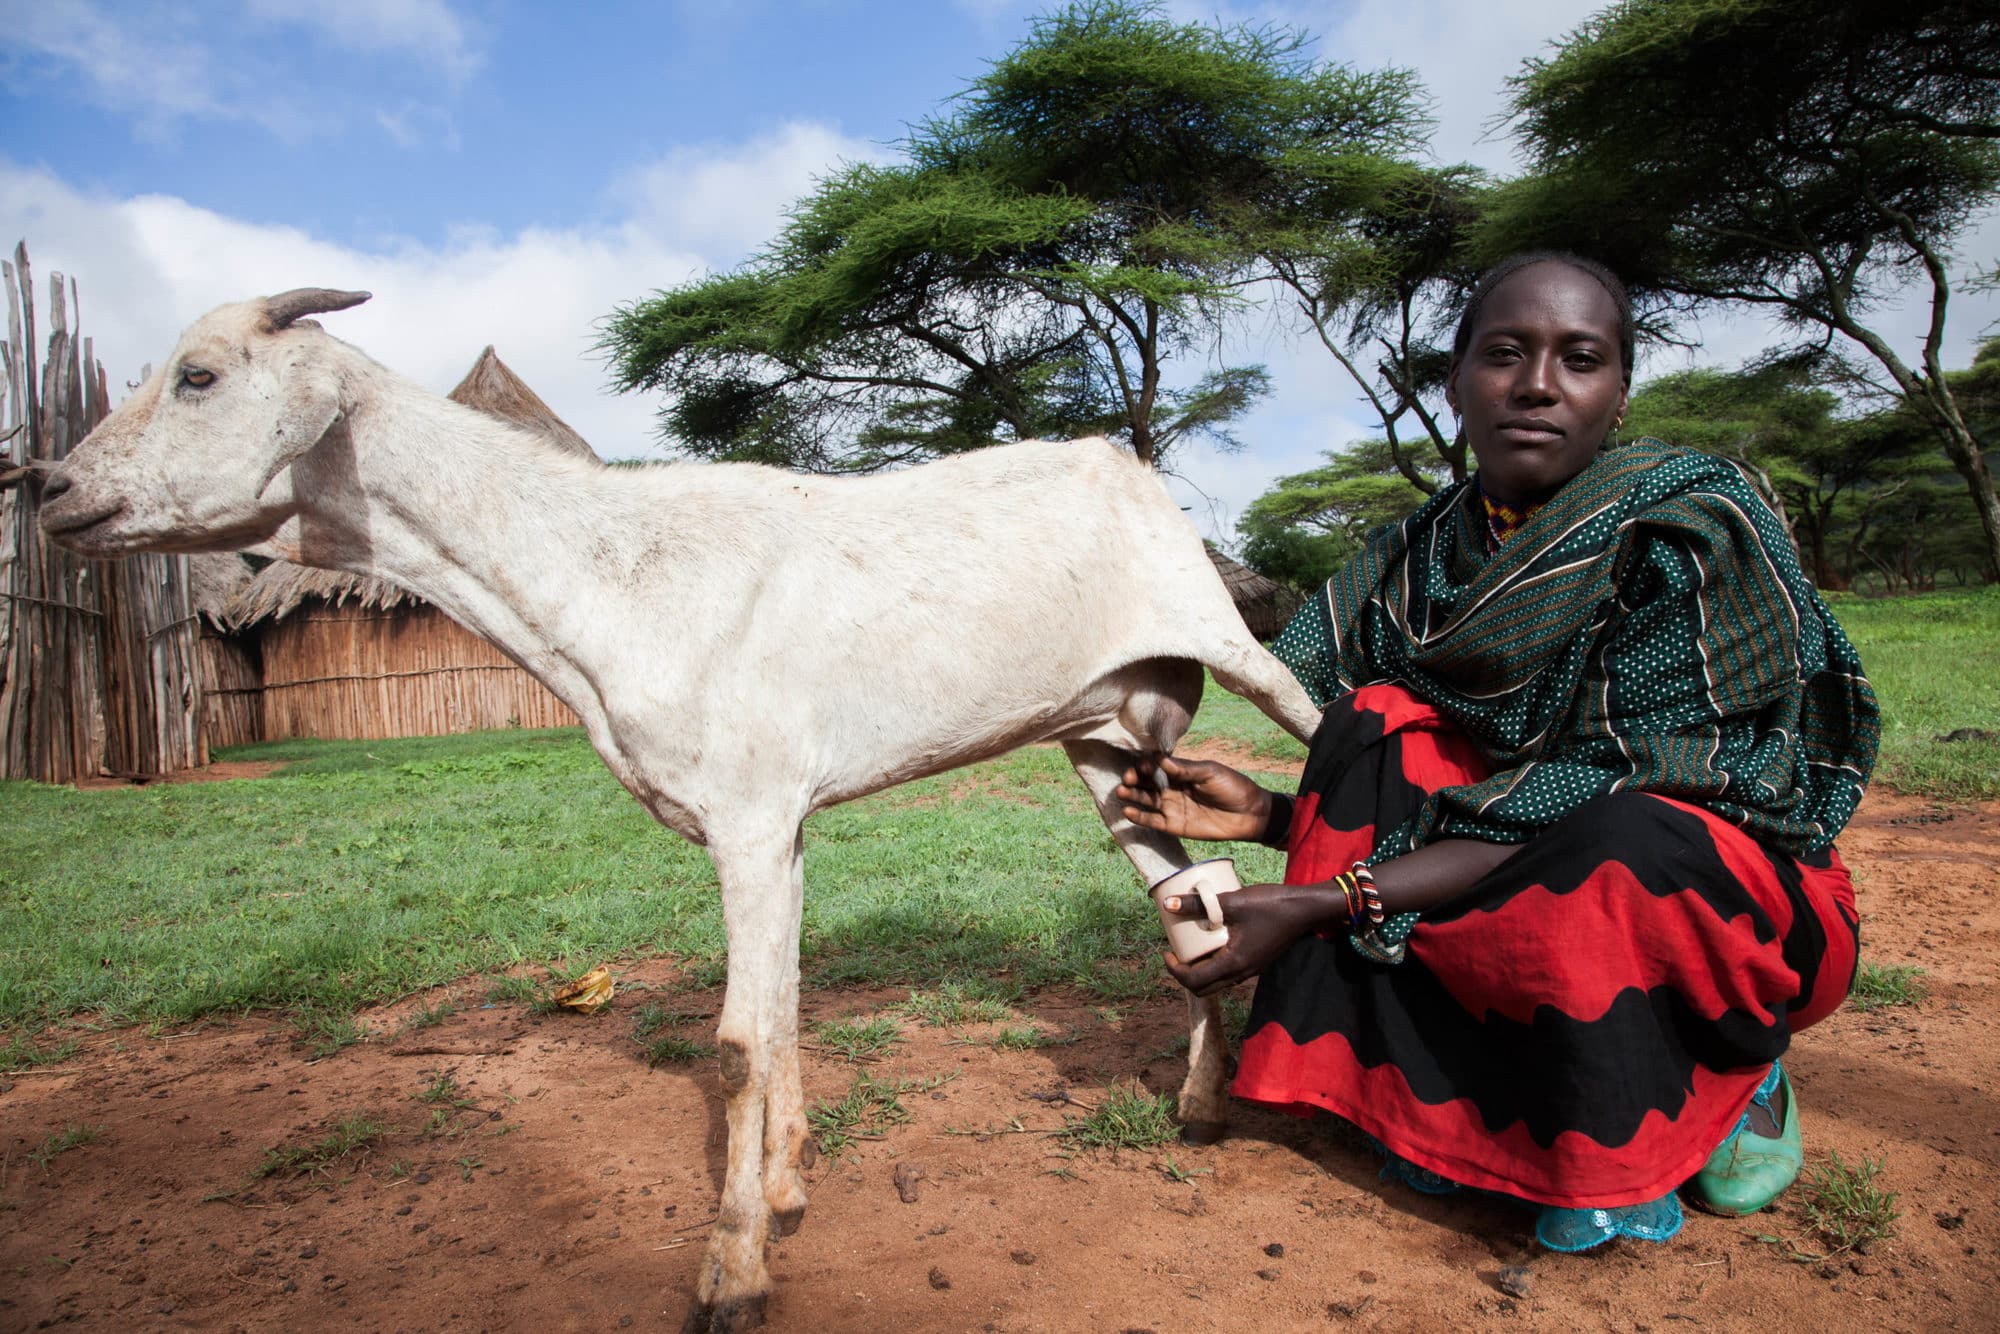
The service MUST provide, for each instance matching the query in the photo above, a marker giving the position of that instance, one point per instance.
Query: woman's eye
(197, 379)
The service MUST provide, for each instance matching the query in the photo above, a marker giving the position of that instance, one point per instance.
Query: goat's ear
(312, 406)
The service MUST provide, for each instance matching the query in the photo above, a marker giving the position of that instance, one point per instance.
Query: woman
(1561, 881)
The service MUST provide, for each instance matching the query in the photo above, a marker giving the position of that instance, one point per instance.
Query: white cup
(1191, 937)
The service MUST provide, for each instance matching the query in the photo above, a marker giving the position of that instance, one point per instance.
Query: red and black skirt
(1585, 1024)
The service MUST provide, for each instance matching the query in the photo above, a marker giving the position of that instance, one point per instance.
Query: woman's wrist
(1277, 823)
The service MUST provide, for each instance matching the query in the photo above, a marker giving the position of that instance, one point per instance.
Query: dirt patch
(559, 1183)
(222, 771)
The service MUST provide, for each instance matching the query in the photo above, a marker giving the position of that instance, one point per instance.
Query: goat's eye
(197, 379)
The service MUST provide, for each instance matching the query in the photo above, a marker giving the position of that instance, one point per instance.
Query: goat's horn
(285, 307)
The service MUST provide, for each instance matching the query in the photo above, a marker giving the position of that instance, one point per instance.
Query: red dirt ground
(574, 1192)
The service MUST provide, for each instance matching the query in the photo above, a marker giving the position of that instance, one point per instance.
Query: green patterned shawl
(1648, 628)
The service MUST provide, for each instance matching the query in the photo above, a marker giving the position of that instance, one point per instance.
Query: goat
(745, 646)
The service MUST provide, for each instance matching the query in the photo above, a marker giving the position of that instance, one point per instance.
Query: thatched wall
(406, 670)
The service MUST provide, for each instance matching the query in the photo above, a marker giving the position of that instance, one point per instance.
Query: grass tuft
(20, 1052)
(958, 1003)
(324, 1032)
(1129, 1117)
(855, 1039)
(869, 1108)
(352, 1133)
(1846, 1204)
(1881, 984)
(673, 1049)
(62, 1141)
(430, 1016)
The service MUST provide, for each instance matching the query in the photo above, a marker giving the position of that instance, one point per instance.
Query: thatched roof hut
(339, 655)
(1266, 605)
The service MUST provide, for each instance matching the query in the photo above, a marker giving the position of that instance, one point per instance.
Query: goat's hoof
(784, 1222)
(730, 1317)
(1203, 1132)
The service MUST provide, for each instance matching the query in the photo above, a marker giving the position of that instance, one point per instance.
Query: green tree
(1802, 156)
(1783, 431)
(1086, 210)
(1302, 529)
(1379, 278)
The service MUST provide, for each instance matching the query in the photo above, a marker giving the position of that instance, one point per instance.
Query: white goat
(745, 646)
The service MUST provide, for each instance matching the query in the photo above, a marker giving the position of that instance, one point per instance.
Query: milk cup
(1193, 935)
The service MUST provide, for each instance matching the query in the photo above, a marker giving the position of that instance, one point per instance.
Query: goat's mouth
(85, 530)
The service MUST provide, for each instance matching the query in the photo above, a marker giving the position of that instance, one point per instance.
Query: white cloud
(147, 266)
(724, 202)
(426, 30)
(163, 65)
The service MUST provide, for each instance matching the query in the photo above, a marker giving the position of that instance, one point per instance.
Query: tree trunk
(1970, 460)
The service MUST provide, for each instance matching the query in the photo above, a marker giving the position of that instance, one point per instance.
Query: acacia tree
(1827, 477)
(1307, 524)
(1803, 156)
(1378, 277)
(1084, 211)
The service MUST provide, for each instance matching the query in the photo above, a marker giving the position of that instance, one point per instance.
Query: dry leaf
(588, 993)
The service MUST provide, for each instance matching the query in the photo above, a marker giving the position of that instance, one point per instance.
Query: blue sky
(504, 171)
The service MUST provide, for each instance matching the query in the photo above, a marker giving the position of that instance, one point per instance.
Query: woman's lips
(1530, 433)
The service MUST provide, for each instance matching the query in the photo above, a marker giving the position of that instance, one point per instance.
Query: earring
(1615, 424)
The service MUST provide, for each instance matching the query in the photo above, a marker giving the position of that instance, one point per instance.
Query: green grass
(1881, 984)
(866, 1111)
(352, 1133)
(673, 1049)
(1846, 1204)
(366, 871)
(62, 1141)
(1934, 660)
(1128, 1117)
(21, 1052)
(858, 1039)
(958, 1003)
(323, 1032)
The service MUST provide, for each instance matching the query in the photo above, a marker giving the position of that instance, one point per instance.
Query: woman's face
(1540, 383)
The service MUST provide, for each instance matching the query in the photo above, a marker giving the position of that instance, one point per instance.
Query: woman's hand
(1263, 921)
(1202, 799)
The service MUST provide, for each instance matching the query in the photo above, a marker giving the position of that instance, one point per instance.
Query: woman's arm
(1264, 920)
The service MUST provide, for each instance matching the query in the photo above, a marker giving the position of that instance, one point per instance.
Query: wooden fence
(97, 660)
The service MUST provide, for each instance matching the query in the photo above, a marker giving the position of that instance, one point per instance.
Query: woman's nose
(1535, 380)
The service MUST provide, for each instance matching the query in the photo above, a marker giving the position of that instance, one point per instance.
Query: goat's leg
(1204, 1107)
(788, 1148)
(1247, 668)
(761, 900)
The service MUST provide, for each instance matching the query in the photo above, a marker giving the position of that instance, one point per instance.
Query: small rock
(1950, 1222)
(1275, 1250)
(308, 1252)
(291, 1285)
(420, 1227)
(1366, 1275)
(1268, 1275)
(624, 1322)
(906, 1176)
(1023, 1257)
(422, 1178)
(938, 1280)
(403, 1211)
(1516, 1281)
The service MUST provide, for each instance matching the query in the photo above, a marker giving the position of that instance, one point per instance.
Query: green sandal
(1748, 1171)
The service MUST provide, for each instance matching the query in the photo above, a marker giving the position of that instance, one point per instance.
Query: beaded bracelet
(1371, 899)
